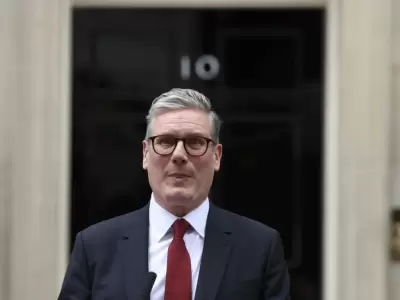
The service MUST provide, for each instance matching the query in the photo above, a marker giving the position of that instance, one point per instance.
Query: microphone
(151, 278)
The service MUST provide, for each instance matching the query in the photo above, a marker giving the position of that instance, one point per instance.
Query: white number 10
(206, 67)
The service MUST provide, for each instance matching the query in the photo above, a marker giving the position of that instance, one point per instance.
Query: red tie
(178, 283)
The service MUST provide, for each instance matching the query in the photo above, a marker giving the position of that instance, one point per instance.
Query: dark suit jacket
(242, 259)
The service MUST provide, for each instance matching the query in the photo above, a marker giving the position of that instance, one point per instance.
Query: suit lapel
(216, 251)
(133, 251)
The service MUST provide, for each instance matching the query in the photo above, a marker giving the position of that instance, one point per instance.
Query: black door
(262, 70)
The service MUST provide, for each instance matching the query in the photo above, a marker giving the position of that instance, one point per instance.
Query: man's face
(180, 182)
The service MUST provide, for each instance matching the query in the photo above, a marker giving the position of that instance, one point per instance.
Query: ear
(145, 146)
(217, 157)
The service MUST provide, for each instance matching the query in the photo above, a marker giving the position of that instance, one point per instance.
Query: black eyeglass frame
(177, 139)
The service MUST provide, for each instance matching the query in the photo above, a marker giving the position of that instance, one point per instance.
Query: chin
(178, 195)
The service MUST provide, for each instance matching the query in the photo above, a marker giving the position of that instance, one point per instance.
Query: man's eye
(195, 142)
(166, 141)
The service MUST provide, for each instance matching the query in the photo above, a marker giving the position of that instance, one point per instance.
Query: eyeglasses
(194, 145)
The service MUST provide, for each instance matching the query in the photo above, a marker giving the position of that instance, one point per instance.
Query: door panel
(262, 70)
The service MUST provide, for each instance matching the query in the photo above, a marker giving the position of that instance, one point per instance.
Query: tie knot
(180, 226)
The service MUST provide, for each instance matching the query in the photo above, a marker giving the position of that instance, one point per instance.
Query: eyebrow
(191, 134)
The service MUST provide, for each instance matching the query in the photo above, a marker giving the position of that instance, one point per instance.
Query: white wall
(394, 280)
(6, 88)
(357, 147)
(34, 135)
(395, 157)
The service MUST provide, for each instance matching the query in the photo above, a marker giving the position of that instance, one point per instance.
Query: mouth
(178, 175)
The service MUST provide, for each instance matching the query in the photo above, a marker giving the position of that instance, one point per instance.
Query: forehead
(181, 122)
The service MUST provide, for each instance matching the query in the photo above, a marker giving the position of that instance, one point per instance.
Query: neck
(178, 207)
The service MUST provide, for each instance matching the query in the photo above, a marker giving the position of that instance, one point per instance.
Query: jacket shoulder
(247, 225)
(108, 229)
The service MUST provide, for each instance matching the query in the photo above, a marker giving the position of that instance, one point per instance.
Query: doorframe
(199, 3)
(356, 146)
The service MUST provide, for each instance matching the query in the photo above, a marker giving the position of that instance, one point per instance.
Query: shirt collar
(161, 220)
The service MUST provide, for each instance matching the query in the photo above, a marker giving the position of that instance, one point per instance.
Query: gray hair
(180, 99)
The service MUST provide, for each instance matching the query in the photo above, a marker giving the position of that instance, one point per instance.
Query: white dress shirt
(160, 236)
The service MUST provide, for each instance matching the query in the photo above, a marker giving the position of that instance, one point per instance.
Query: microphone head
(151, 278)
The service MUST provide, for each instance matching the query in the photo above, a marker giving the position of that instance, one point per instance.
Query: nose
(179, 156)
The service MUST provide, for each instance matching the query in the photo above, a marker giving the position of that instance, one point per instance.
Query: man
(197, 250)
